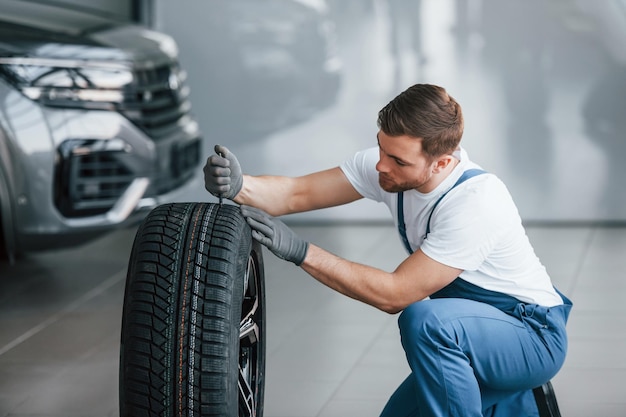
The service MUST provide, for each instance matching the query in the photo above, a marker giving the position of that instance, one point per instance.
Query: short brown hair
(427, 112)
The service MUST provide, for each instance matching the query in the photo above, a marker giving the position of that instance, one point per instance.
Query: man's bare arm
(414, 279)
(278, 195)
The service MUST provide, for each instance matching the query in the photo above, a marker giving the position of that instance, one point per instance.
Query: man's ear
(442, 163)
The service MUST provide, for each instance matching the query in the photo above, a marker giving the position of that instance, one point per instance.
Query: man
(481, 323)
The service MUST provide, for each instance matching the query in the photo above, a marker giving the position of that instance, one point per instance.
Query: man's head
(419, 131)
(426, 112)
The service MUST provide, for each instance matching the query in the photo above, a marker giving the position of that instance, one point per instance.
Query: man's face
(403, 165)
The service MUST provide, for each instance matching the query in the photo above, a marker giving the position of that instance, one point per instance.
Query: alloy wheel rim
(249, 341)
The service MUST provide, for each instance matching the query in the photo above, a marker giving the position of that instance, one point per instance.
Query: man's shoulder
(483, 196)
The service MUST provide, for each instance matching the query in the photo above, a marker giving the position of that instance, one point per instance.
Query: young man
(481, 322)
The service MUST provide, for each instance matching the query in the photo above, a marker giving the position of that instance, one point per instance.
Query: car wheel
(193, 325)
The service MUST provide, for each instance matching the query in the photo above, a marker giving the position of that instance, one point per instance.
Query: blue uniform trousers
(475, 352)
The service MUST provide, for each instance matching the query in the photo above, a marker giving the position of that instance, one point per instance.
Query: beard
(390, 186)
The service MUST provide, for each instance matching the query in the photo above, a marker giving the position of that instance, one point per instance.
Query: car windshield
(71, 19)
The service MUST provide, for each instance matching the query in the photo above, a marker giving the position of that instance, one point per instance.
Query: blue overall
(475, 352)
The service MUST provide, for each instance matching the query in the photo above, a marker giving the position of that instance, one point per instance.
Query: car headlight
(67, 83)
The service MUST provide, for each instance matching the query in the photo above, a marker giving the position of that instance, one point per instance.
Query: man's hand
(275, 235)
(222, 174)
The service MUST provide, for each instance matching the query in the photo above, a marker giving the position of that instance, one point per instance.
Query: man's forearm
(361, 282)
(279, 195)
(269, 193)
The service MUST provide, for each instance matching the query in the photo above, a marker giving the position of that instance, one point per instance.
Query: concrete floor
(328, 356)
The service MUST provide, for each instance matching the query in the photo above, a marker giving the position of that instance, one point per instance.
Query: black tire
(193, 325)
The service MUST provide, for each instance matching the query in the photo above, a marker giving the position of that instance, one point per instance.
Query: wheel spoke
(251, 297)
(246, 394)
(248, 333)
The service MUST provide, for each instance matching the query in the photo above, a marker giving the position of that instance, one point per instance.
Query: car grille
(184, 159)
(157, 101)
(99, 181)
(89, 183)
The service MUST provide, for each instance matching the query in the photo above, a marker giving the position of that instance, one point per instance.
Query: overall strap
(402, 226)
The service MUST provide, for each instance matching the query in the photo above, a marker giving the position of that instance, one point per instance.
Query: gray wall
(542, 84)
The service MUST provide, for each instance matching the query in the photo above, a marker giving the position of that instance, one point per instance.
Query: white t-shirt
(476, 228)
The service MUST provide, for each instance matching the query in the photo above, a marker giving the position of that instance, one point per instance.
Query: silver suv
(95, 126)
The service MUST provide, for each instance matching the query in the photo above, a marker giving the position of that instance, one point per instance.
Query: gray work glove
(275, 235)
(222, 174)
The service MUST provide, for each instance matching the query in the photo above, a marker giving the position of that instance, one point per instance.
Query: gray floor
(328, 356)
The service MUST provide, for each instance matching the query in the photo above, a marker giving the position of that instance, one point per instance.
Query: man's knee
(421, 324)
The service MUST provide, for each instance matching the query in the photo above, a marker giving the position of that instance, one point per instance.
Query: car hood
(122, 43)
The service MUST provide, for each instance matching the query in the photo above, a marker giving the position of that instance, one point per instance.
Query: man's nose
(381, 166)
